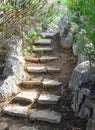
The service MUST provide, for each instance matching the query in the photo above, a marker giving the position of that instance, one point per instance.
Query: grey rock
(3, 125)
(36, 69)
(48, 99)
(41, 59)
(53, 69)
(26, 96)
(39, 49)
(66, 34)
(80, 75)
(45, 115)
(43, 42)
(47, 58)
(48, 82)
(13, 70)
(48, 34)
(42, 69)
(15, 110)
(67, 42)
(8, 87)
(82, 58)
(34, 81)
(19, 127)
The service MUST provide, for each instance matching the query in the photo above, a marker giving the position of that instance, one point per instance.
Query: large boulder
(13, 72)
(80, 75)
(67, 42)
(66, 34)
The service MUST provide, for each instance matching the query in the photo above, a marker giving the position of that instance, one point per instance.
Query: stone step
(40, 82)
(22, 127)
(41, 59)
(48, 99)
(43, 42)
(42, 69)
(26, 96)
(16, 110)
(48, 34)
(42, 49)
(45, 115)
(33, 81)
(48, 82)
(34, 69)
(52, 69)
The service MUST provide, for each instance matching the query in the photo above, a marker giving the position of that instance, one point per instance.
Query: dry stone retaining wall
(13, 72)
(83, 103)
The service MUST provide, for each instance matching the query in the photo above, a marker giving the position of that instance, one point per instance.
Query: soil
(66, 62)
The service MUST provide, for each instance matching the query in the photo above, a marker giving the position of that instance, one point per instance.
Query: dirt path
(65, 62)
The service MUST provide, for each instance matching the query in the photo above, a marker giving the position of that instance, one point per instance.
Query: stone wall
(83, 102)
(13, 72)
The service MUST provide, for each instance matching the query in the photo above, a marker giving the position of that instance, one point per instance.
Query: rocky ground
(66, 62)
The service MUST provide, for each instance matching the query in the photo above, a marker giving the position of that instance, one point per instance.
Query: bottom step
(16, 110)
(33, 114)
(19, 127)
(45, 115)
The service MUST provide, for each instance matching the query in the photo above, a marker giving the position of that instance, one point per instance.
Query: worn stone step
(16, 110)
(47, 58)
(45, 115)
(52, 69)
(48, 34)
(41, 59)
(48, 99)
(34, 69)
(43, 42)
(48, 82)
(26, 96)
(20, 127)
(42, 49)
(42, 69)
(34, 81)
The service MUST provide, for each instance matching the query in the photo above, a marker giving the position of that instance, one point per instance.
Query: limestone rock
(82, 58)
(67, 39)
(8, 87)
(53, 69)
(13, 70)
(48, 34)
(47, 58)
(3, 125)
(48, 99)
(26, 96)
(32, 59)
(34, 81)
(48, 82)
(45, 115)
(39, 49)
(36, 69)
(43, 42)
(15, 110)
(67, 42)
(80, 75)
(42, 69)
(19, 127)
(41, 59)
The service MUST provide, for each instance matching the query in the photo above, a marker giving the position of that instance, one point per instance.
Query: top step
(43, 42)
(48, 34)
